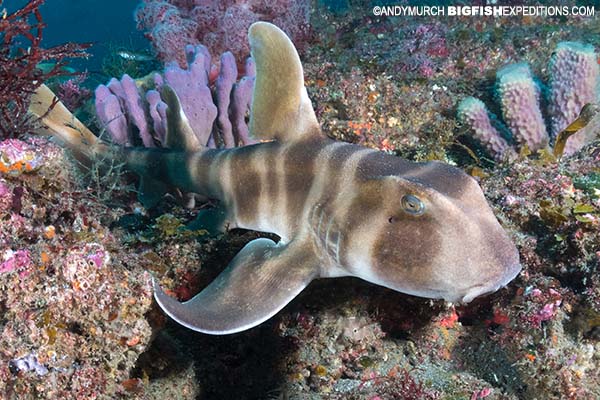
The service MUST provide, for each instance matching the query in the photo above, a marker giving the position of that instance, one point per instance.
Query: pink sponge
(574, 82)
(128, 114)
(519, 100)
(473, 113)
(191, 86)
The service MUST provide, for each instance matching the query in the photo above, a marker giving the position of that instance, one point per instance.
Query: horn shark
(340, 209)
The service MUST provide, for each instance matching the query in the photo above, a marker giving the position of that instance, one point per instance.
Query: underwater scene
(312, 199)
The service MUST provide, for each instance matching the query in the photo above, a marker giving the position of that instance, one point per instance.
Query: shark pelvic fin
(215, 220)
(281, 109)
(151, 191)
(259, 282)
(180, 135)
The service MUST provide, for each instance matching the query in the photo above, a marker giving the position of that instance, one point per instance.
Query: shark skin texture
(340, 209)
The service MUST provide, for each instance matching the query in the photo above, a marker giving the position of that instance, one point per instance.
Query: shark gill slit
(317, 189)
(341, 204)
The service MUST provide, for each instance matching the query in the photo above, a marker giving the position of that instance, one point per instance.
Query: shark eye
(413, 205)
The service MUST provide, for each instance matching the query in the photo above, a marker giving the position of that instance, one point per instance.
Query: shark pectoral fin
(151, 191)
(281, 108)
(180, 135)
(259, 282)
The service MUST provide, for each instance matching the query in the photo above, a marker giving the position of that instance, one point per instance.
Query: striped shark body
(339, 209)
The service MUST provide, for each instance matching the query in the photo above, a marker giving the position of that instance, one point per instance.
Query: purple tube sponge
(111, 116)
(158, 113)
(128, 114)
(126, 94)
(127, 91)
(574, 82)
(191, 86)
(241, 103)
(473, 113)
(234, 100)
(224, 86)
(519, 101)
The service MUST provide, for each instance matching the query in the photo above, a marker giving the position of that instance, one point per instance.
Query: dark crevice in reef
(488, 361)
(239, 366)
(166, 356)
(583, 323)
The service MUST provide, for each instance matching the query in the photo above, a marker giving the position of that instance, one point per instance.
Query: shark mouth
(480, 290)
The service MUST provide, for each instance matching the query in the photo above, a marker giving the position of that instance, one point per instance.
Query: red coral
(20, 54)
(219, 25)
(72, 93)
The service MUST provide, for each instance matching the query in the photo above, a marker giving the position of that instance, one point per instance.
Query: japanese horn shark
(340, 209)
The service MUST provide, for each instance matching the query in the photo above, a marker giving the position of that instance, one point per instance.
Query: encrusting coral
(574, 82)
(72, 310)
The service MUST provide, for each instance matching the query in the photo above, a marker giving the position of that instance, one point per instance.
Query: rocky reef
(73, 310)
(77, 320)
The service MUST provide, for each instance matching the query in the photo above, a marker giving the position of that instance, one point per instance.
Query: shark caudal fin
(57, 121)
(281, 109)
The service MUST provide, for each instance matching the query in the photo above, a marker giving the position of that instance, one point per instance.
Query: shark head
(429, 232)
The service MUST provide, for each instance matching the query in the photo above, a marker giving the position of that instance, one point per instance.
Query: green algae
(589, 183)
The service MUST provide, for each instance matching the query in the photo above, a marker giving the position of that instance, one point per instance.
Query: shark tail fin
(281, 109)
(57, 121)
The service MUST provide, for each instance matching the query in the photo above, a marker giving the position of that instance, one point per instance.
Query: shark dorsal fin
(281, 109)
(180, 135)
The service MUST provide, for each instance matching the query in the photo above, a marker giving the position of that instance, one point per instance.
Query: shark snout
(493, 284)
(496, 260)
